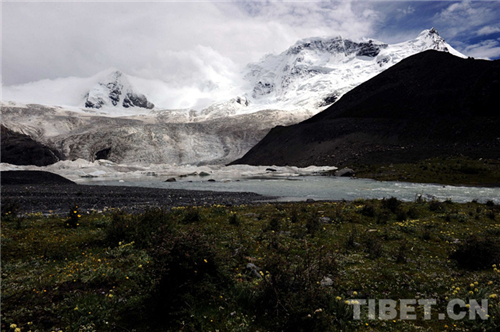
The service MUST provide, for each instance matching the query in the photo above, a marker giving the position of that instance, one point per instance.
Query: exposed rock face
(136, 100)
(20, 149)
(431, 104)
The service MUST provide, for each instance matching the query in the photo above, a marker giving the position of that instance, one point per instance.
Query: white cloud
(465, 16)
(406, 11)
(487, 30)
(198, 45)
(487, 49)
(171, 41)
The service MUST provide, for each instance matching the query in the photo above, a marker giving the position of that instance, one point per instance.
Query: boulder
(254, 269)
(325, 220)
(345, 172)
(326, 282)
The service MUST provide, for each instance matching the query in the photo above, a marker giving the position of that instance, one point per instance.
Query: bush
(490, 203)
(392, 204)
(477, 252)
(373, 246)
(312, 223)
(291, 287)
(436, 206)
(121, 228)
(274, 223)
(191, 215)
(368, 210)
(186, 264)
(139, 229)
(401, 214)
(351, 239)
(233, 219)
(413, 212)
(294, 216)
(426, 234)
(401, 255)
(73, 217)
(10, 208)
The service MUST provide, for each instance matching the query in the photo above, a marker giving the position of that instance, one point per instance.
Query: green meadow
(267, 267)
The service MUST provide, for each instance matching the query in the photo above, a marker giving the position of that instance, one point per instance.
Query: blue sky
(182, 42)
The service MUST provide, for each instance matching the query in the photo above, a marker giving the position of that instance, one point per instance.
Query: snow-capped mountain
(115, 90)
(310, 75)
(116, 112)
(315, 72)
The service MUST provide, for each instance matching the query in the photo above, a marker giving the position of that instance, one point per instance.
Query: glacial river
(324, 188)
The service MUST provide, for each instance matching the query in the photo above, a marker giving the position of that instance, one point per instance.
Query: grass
(445, 170)
(186, 268)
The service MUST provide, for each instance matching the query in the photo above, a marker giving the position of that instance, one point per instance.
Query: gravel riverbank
(36, 193)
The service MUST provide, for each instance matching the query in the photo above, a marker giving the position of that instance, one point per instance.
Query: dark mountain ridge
(20, 149)
(430, 104)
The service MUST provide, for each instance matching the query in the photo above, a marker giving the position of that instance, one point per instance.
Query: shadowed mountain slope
(20, 149)
(430, 104)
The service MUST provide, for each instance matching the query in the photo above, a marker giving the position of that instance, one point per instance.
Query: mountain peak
(433, 35)
(114, 89)
(331, 66)
(433, 31)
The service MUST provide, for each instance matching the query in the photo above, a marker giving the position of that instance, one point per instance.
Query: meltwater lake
(301, 188)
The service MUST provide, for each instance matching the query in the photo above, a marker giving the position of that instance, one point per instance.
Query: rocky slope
(431, 104)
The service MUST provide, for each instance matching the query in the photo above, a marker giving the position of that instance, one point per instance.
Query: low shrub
(186, 264)
(312, 223)
(290, 287)
(392, 204)
(372, 246)
(139, 229)
(436, 206)
(233, 219)
(191, 215)
(402, 252)
(73, 217)
(10, 208)
(368, 210)
(477, 252)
